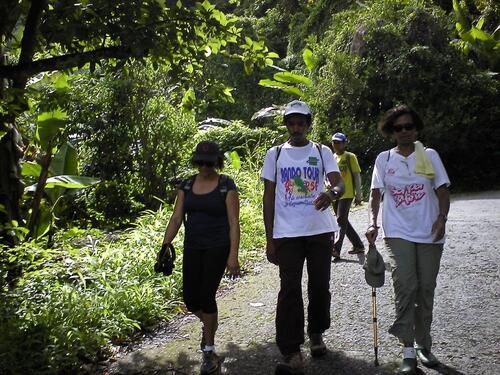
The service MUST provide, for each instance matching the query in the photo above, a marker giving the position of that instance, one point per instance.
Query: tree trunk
(37, 197)
(11, 187)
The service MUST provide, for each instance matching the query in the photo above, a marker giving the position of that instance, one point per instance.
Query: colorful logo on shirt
(300, 185)
(407, 195)
(312, 160)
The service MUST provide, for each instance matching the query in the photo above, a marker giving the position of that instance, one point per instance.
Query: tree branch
(63, 62)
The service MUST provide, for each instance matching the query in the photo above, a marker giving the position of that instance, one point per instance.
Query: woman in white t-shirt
(416, 204)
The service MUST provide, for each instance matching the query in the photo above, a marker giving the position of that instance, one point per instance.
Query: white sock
(409, 352)
(209, 348)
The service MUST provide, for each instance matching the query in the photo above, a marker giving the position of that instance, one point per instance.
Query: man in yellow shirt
(350, 170)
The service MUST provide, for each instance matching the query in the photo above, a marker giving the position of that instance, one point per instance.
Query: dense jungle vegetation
(102, 103)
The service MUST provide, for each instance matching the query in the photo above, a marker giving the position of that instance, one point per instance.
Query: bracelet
(373, 226)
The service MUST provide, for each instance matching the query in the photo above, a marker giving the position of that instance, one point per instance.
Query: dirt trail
(466, 327)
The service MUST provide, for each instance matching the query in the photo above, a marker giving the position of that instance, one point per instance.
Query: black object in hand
(165, 260)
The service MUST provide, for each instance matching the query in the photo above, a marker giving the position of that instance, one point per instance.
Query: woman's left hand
(233, 267)
(439, 228)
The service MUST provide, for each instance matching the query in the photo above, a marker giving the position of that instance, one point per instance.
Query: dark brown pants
(341, 208)
(291, 254)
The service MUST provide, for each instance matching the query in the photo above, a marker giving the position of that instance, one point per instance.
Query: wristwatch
(445, 217)
(334, 194)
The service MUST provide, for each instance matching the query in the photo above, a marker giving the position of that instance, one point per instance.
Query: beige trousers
(415, 267)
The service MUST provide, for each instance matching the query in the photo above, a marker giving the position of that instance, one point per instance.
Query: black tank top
(206, 224)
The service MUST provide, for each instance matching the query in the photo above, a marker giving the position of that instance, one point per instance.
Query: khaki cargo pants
(415, 267)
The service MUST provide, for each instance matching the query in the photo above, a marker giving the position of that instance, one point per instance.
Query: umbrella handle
(375, 328)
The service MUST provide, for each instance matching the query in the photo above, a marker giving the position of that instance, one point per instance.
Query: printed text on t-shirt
(300, 185)
(408, 194)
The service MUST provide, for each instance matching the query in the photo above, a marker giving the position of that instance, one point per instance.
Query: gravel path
(466, 328)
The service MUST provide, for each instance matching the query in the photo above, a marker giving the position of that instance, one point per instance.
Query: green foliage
(109, 205)
(373, 58)
(485, 45)
(93, 289)
(70, 302)
(49, 125)
(291, 83)
(139, 140)
(242, 139)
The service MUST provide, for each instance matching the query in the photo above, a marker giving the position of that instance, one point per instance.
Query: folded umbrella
(375, 277)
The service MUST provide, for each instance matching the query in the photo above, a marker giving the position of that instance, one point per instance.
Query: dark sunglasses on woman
(407, 126)
(202, 163)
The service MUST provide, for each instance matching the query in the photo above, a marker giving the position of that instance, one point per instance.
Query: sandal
(335, 254)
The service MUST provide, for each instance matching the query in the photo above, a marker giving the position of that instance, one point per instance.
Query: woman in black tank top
(208, 205)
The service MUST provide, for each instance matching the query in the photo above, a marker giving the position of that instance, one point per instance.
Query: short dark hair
(385, 125)
(208, 151)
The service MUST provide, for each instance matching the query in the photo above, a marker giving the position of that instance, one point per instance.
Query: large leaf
(60, 82)
(271, 83)
(234, 158)
(65, 161)
(481, 35)
(281, 86)
(68, 182)
(289, 77)
(45, 221)
(189, 100)
(309, 59)
(48, 126)
(460, 15)
(30, 168)
(71, 182)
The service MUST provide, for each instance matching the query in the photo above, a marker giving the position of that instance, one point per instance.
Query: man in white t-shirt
(299, 226)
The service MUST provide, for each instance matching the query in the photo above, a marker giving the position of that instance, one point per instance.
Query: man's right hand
(271, 252)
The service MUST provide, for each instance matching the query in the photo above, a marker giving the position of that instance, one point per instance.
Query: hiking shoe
(356, 250)
(426, 357)
(408, 366)
(210, 364)
(318, 346)
(292, 364)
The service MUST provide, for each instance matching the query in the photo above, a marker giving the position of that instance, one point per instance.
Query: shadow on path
(262, 359)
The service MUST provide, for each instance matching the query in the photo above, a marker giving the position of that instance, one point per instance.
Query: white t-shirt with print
(410, 205)
(300, 179)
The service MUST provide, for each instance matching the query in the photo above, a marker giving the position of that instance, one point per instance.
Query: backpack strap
(348, 157)
(278, 152)
(223, 179)
(319, 147)
(186, 186)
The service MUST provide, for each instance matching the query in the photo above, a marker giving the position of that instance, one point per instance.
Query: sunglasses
(337, 142)
(202, 163)
(400, 127)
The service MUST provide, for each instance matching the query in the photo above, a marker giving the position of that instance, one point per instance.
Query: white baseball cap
(297, 107)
